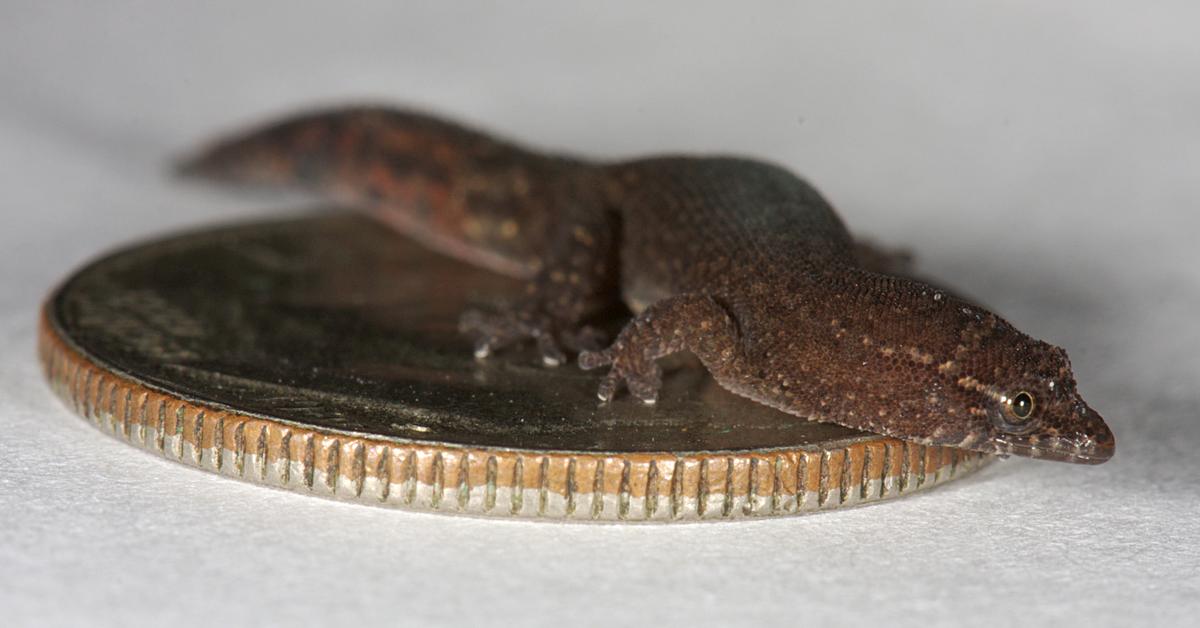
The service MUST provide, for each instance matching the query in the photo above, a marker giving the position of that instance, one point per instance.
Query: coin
(320, 354)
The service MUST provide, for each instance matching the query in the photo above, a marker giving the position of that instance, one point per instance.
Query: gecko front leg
(692, 322)
(577, 280)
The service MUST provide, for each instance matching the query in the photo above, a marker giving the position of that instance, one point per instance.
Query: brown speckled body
(737, 261)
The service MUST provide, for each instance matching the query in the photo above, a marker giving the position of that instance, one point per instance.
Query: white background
(1040, 155)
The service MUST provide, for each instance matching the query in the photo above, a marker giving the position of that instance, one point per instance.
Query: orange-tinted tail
(455, 189)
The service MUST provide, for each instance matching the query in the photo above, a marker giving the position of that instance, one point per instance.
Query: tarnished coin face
(321, 354)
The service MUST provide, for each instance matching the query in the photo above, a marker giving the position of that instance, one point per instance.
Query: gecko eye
(1020, 407)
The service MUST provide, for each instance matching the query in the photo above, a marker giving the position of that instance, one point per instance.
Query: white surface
(1043, 156)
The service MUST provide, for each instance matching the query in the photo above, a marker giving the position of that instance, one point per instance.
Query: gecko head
(1025, 400)
(940, 371)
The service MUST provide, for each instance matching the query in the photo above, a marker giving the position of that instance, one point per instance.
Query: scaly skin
(738, 261)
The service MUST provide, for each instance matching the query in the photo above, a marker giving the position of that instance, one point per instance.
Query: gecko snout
(1082, 438)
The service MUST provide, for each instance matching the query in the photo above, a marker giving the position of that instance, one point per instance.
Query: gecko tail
(459, 190)
(227, 163)
(319, 150)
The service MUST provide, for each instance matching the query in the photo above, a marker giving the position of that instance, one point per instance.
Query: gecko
(739, 262)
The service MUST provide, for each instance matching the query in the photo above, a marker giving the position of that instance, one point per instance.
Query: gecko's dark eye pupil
(1022, 405)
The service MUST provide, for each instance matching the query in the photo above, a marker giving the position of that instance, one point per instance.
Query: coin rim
(487, 481)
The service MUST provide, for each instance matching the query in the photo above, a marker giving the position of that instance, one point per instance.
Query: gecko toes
(642, 377)
(551, 355)
(589, 360)
(495, 331)
(644, 385)
(608, 387)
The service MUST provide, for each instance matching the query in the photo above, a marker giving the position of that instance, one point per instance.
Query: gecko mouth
(1083, 451)
(1087, 439)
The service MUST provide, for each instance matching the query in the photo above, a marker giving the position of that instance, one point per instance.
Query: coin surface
(321, 354)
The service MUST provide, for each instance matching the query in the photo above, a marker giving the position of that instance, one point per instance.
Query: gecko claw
(643, 378)
(608, 388)
(644, 385)
(493, 332)
(552, 356)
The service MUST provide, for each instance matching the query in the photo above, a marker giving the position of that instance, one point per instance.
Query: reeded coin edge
(444, 478)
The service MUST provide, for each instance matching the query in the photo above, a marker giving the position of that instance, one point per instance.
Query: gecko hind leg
(692, 322)
(496, 331)
(578, 281)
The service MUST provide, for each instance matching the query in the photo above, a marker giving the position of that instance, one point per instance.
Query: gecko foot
(693, 322)
(641, 375)
(494, 332)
